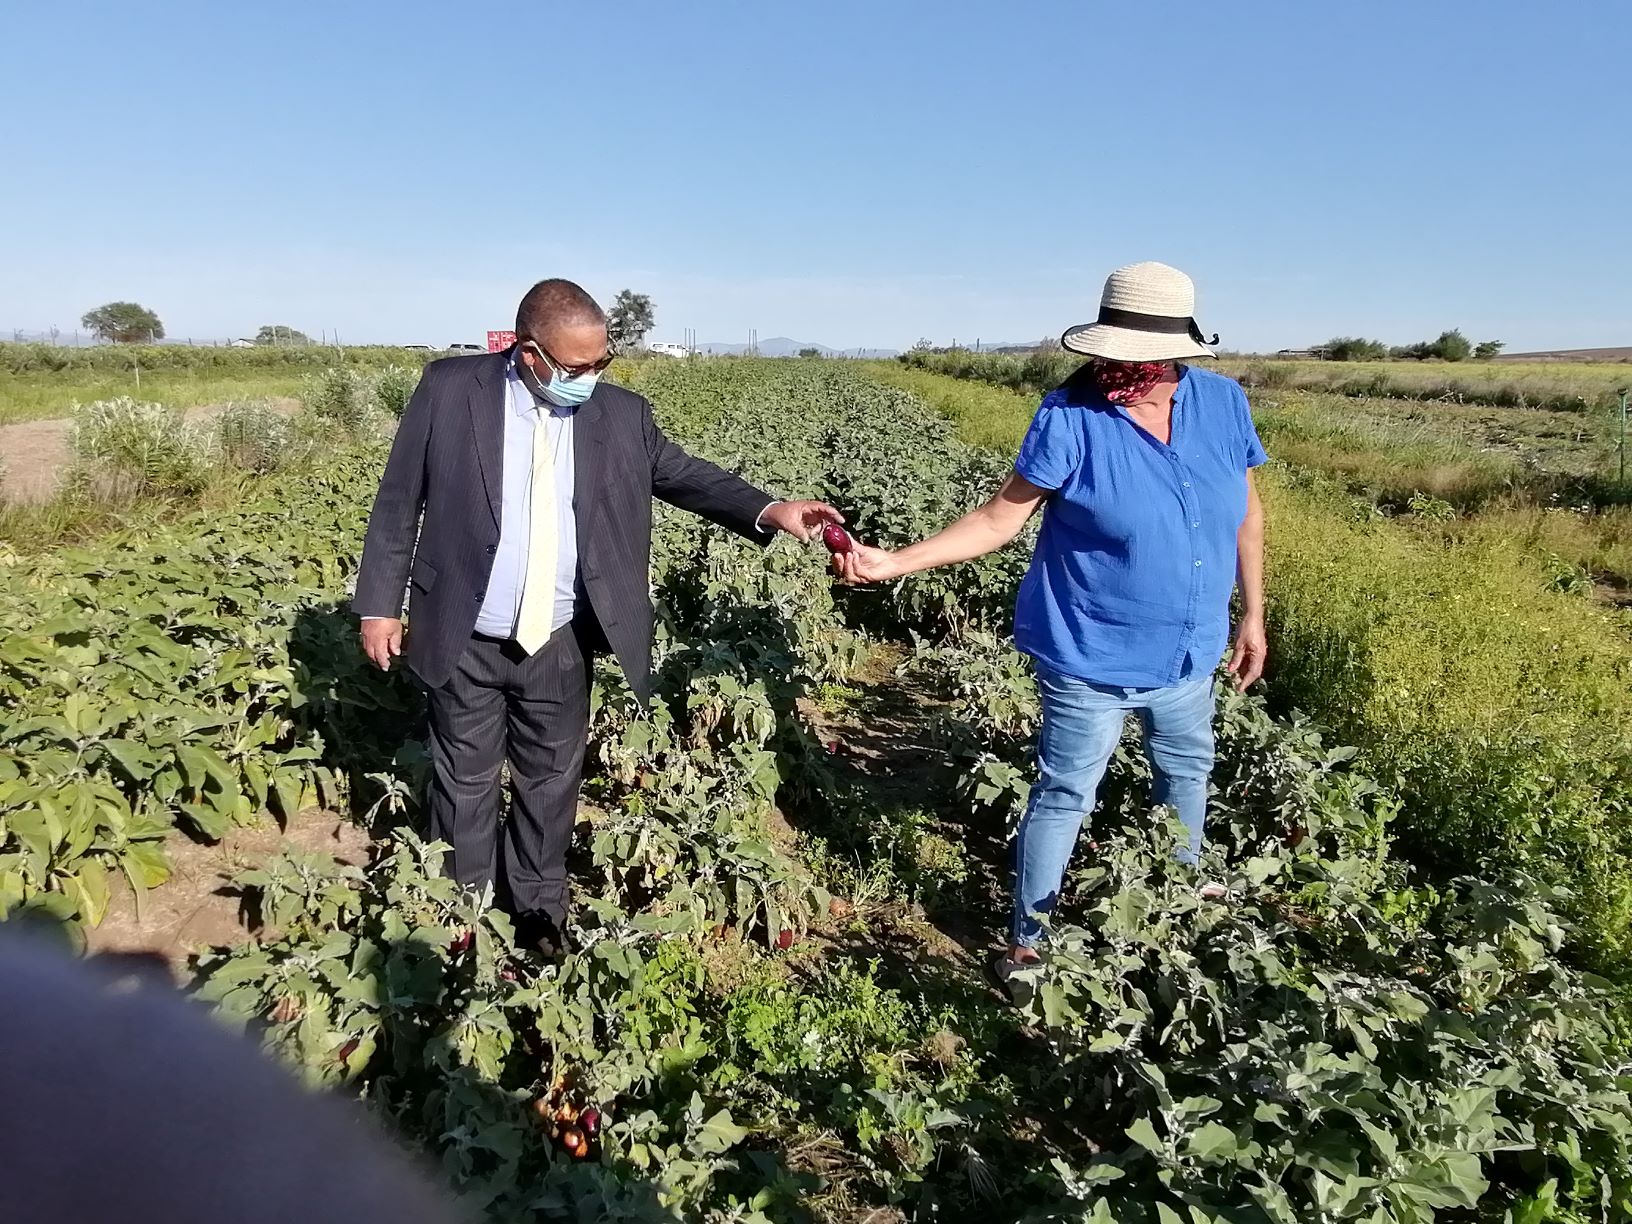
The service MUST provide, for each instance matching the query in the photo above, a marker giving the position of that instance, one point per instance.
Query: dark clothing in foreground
(132, 1105)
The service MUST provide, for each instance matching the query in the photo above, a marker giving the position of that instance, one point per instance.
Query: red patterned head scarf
(1122, 382)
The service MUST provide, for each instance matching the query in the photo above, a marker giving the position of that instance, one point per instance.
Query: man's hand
(382, 640)
(864, 564)
(1251, 649)
(803, 519)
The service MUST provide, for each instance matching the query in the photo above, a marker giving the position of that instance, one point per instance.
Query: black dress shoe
(538, 932)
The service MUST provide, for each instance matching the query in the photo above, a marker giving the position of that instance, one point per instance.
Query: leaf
(210, 821)
(135, 759)
(1465, 1172)
(1199, 1106)
(145, 865)
(93, 889)
(1260, 870)
(1213, 1141)
(288, 788)
(1144, 1134)
(717, 1135)
(258, 781)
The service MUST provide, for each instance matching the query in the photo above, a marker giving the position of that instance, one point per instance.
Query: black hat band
(1161, 325)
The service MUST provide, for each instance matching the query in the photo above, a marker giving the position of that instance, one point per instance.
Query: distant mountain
(782, 346)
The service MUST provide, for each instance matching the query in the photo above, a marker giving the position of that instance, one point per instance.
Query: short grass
(1575, 544)
(67, 520)
(1560, 385)
(43, 395)
(1390, 461)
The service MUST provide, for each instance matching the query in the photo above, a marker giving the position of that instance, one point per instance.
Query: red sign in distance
(498, 341)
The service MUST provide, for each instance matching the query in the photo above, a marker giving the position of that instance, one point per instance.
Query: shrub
(392, 388)
(1353, 348)
(55, 358)
(252, 437)
(1034, 375)
(343, 399)
(130, 447)
(1448, 346)
(1452, 346)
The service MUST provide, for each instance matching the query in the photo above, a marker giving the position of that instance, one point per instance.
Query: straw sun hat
(1144, 315)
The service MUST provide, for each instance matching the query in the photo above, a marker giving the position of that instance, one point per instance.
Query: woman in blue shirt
(1143, 467)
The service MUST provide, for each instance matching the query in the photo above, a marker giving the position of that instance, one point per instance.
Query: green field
(38, 381)
(1568, 386)
(791, 870)
(1559, 385)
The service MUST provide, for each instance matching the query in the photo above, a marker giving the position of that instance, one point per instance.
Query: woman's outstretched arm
(977, 533)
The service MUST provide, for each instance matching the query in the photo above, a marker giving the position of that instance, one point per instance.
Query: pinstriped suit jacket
(436, 518)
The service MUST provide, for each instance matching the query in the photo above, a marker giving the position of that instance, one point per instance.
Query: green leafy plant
(1350, 1036)
(139, 448)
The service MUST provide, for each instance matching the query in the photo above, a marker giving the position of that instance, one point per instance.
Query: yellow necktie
(537, 612)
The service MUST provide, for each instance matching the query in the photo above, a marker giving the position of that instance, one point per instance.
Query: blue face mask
(568, 392)
(561, 391)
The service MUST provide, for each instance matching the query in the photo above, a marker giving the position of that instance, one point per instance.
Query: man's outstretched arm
(709, 490)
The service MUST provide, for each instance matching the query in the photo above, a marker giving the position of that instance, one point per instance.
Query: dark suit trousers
(499, 705)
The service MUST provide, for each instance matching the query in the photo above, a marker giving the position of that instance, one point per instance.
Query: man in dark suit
(518, 503)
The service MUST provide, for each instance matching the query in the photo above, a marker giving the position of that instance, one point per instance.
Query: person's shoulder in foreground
(129, 1103)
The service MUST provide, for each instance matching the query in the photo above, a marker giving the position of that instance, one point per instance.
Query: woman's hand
(1251, 650)
(984, 529)
(864, 564)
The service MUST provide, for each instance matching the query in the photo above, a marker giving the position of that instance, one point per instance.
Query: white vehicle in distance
(664, 348)
(467, 348)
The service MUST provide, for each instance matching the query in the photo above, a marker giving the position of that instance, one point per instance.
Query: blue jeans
(1082, 723)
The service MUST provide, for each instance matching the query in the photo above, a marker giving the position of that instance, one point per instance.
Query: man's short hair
(556, 303)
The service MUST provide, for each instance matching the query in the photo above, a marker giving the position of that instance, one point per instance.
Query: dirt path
(36, 452)
(197, 907)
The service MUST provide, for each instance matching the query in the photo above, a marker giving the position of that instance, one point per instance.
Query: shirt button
(1198, 562)
(1187, 484)
(1195, 524)
(491, 549)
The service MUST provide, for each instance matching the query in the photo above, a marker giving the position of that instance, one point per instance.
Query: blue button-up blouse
(1135, 564)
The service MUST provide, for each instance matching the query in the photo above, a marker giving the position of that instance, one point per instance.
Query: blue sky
(848, 173)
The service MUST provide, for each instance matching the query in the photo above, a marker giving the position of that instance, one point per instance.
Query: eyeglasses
(568, 371)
